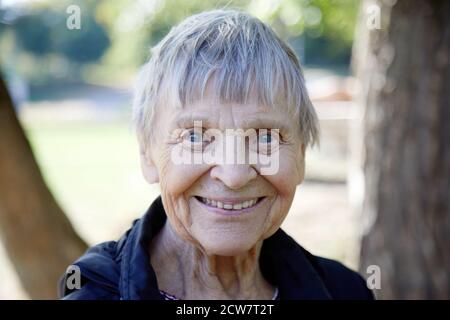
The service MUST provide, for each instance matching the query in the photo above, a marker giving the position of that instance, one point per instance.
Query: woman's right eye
(193, 140)
(194, 137)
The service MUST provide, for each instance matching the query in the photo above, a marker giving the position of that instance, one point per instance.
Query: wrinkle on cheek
(294, 159)
(278, 213)
(291, 172)
(176, 202)
(178, 217)
(176, 210)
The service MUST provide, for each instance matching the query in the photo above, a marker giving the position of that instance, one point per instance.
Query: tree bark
(404, 71)
(38, 237)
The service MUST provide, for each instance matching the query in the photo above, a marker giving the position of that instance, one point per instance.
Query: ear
(303, 149)
(301, 164)
(148, 167)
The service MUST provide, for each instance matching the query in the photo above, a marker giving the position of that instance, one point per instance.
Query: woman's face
(225, 207)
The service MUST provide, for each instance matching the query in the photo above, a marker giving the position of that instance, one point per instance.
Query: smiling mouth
(230, 205)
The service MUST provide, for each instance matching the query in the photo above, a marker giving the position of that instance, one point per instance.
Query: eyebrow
(187, 120)
(265, 123)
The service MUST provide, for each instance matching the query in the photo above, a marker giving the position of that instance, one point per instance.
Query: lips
(230, 204)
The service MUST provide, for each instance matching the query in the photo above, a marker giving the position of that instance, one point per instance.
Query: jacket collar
(283, 263)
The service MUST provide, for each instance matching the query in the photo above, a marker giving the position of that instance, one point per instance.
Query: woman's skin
(205, 252)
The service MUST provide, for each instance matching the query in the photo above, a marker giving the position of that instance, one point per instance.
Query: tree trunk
(38, 237)
(404, 71)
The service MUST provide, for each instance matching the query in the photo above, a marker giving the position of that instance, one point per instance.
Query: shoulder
(98, 273)
(306, 276)
(342, 282)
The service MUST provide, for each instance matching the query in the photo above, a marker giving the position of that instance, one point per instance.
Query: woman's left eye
(265, 138)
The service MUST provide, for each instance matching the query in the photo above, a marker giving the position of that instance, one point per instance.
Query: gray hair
(234, 51)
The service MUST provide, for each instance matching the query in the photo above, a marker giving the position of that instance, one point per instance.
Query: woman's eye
(265, 138)
(268, 141)
(193, 140)
(195, 137)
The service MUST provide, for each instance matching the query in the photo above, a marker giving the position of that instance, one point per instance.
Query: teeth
(237, 206)
(226, 206)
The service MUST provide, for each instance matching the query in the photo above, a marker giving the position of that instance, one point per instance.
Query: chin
(220, 248)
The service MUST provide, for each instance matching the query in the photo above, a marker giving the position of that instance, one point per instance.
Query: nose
(234, 176)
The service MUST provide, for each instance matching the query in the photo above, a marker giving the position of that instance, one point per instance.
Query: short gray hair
(234, 50)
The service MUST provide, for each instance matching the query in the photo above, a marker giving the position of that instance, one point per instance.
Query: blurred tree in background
(116, 35)
(39, 238)
(404, 71)
(45, 48)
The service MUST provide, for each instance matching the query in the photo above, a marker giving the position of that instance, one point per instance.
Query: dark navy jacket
(121, 270)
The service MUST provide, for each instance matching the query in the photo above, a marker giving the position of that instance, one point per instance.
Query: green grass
(94, 172)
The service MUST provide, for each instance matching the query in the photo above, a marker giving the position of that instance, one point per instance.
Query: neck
(186, 271)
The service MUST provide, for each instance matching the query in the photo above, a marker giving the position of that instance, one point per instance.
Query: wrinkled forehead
(239, 93)
(213, 113)
(220, 99)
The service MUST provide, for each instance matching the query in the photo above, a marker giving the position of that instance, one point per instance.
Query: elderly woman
(223, 120)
